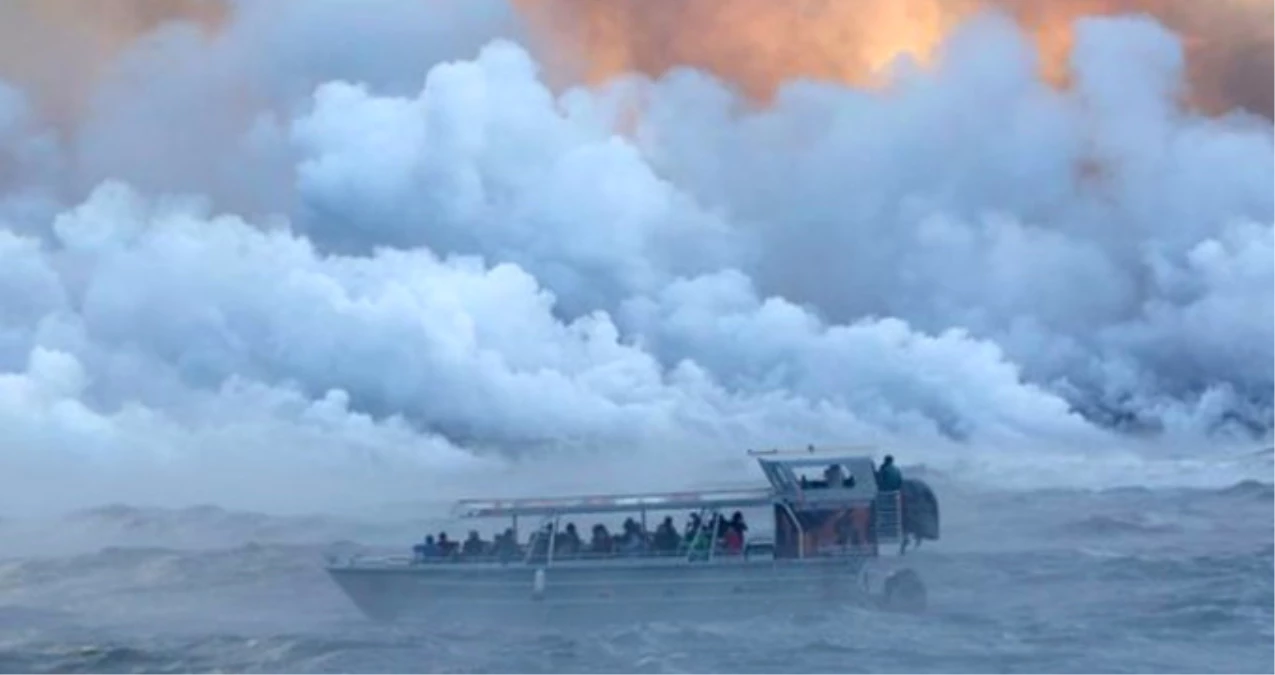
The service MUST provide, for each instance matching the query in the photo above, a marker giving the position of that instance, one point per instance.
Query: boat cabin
(838, 511)
(818, 504)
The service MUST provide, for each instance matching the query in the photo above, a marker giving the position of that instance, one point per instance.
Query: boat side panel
(440, 592)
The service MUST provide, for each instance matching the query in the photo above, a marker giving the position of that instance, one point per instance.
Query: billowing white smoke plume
(359, 268)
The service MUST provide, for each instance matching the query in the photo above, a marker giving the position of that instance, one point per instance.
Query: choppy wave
(1119, 525)
(229, 653)
(1251, 489)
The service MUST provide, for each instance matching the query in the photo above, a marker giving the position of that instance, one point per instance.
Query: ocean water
(1124, 580)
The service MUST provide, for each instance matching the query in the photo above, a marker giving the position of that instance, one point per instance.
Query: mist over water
(287, 274)
(1122, 580)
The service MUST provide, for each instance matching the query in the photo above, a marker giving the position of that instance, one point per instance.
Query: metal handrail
(531, 544)
(712, 534)
(692, 538)
(553, 540)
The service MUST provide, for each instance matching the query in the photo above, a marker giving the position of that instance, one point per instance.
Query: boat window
(833, 475)
(645, 534)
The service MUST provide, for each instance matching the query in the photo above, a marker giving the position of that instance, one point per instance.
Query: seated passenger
(422, 552)
(633, 539)
(666, 537)
(566, 544)
(889, 478)
(834, 476)
(506, 545)
(601, 543)
(474, 546)
(446, 547)
(722, 526)
(733, 542)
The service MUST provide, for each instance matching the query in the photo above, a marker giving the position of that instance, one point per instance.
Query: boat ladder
(888, 524)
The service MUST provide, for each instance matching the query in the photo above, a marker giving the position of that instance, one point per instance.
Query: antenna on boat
(812, 450)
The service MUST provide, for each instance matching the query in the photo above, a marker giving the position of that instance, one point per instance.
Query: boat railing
(694, 547)
(763, 548)
(754, 548)
(369, 560)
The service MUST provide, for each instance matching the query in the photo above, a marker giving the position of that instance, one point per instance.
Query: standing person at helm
(889, 478)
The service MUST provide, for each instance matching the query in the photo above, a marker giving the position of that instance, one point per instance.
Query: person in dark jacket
(474, 546)
(666, 537)
(423, 552)
(889, 478)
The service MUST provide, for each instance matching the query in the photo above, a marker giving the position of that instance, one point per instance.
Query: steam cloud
(376, 250)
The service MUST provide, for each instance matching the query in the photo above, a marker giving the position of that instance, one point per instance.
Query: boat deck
(762, 556)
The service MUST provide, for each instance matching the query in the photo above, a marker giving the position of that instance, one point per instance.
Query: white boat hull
(593, 591)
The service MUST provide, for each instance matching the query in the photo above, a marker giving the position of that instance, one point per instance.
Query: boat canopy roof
(779, 466)
(671, 501)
